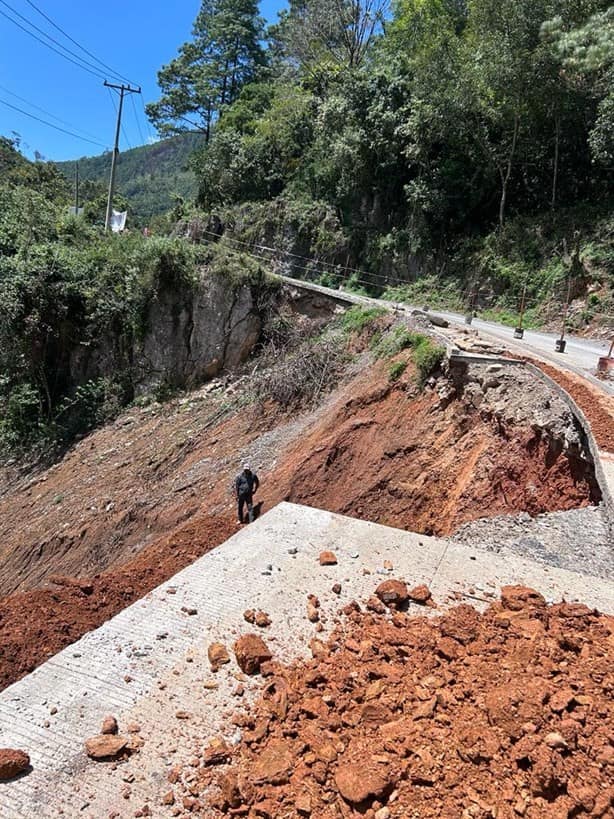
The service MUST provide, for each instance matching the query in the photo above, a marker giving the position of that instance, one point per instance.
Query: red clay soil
(465, 716)
(374, 451)
(36, 624)
(598, 408)
(398, 459)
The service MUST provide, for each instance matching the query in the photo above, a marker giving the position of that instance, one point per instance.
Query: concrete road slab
(149, 663)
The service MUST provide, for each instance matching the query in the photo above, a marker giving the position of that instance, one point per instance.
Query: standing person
(246, 484)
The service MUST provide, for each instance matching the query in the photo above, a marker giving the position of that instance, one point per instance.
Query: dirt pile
(503, 714)
(598, 407)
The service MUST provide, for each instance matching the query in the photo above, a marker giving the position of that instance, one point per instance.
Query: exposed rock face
(190, 334)
(188, 341)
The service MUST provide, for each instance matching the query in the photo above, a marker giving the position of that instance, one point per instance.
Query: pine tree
(225, 53)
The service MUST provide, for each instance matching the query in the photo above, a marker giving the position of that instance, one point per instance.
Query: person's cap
(246, 468)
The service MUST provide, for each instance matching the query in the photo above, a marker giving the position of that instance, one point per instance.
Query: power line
(43, 111)
(147, 123)
(123, 130)
(50, 124)
(72, 40)
(42, 42)
(136, 119)
(331, 267)
(52, 39)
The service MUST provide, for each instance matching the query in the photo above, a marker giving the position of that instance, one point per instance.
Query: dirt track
(504, 714)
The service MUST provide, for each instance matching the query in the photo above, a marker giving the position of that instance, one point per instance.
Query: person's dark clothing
(246, 483)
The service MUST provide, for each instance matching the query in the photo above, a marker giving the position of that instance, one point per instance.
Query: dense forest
(151, 179)
(454, 148)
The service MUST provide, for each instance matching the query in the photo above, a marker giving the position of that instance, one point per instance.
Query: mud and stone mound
(503, 714)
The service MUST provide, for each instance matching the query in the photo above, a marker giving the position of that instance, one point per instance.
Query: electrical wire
(330, 266)
(72, 40)
(50, 124)
(151, 134)
(123, 130)
(48, 113)
(136, 119)
(42, 42)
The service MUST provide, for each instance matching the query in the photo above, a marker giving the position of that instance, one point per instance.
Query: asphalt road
(580, 356)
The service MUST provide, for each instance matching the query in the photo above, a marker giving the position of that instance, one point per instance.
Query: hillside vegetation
(79, 307)
(463, 147)
(151, 179)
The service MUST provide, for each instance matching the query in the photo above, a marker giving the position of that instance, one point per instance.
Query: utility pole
(123, 89)
(77, 189)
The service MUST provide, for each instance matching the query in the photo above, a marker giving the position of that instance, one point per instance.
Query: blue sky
(134, 38)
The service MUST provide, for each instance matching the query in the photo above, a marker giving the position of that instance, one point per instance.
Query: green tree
(210, 70)
(323, 37)
(587, 53)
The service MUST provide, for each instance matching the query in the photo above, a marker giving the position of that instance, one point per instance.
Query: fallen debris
(506, 713)
(218, 656)
(12, 763)
(109, 725)
(105, 746)
(392, 592)
(258, 618)
(420, 594)
(251, 651)
(328, 559)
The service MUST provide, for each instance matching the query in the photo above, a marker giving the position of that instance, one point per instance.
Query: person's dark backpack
(245, 484)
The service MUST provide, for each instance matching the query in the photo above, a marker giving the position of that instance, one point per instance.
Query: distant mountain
(148, 177)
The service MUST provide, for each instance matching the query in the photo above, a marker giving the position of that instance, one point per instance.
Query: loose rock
(328, 559)
(218, 656)
(12, 763)
(420, 594)
(109, 725)
(105, 746)
(357, 782)
(392, 592)
(251, 651)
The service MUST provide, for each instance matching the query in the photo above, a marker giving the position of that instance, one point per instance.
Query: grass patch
(427, 357)
(396, 370)
(426, 354)
(385, 345)
(358, 318)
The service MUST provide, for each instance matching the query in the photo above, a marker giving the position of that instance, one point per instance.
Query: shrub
(396, 370)
(304, 375)
(427, 356)
(358, 318)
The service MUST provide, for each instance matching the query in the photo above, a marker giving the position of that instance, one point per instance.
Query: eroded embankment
(488, 441)
(484, 443)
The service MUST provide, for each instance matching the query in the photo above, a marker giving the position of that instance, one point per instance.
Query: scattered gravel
(576, 540)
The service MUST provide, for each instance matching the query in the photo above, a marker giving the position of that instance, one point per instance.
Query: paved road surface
(580, 356)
